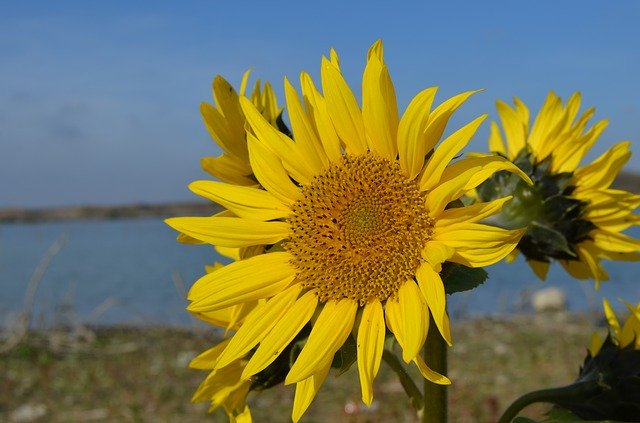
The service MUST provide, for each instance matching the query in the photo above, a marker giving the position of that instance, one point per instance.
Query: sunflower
(608, 386)
(572, 214)
(225, 122)
(355, 227)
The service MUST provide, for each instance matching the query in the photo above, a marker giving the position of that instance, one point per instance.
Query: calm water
(124, 271)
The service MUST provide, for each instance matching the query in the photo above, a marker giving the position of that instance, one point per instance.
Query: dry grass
(140, 375)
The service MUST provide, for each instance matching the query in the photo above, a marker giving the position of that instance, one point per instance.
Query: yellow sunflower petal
(295, 318)
(514, 129)
(218, 129)
(597, 271)
(306, 391)
(370, 344)
(466, 175)
(245, 81)
(207, 359)
(258, 324)
(432, 289)
(631, 327)
(478, 245)
(576, 269)
(409, 314)
(268, 169)
(228, 318)
(523, 113)
(334, 59)
(472, 213)
(496, 145)
(430, 374)
(379, 108)
(439, 118)
(343, 109)
(412, 146)
(446, 151)
(569, 154)
(612, 320)
(243, 416)
(186, 239)
(614, 241)
(305, 135)
(595, 344)
(227, 101)
(297, 164)
(242, 281)
(317, 110)
(540, 268)
(229, 169)
(330, 330)
(545, 121)
(601, 172)
(436, 253)
(230, 231)
(246, 202)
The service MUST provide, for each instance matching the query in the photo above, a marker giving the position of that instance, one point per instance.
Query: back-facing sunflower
(572, 213)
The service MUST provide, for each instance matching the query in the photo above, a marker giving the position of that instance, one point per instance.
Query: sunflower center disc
(358, 230)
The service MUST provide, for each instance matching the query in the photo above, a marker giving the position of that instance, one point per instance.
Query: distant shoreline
(131, 211)
(627, 181)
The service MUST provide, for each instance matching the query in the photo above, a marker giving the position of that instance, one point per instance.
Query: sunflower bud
(616, 371)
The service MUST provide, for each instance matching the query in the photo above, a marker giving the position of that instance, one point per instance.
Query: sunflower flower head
(351, 216)
(572, 214)
(608, 386)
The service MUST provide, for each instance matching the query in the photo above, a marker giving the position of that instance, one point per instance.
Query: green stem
(405, 380)
(576, 390)
(435, 396)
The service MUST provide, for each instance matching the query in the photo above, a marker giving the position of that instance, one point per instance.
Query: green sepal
(458, 278)
(616, 371)
(282, 127)
(542, 241)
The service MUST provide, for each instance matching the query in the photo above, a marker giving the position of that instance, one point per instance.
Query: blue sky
(99, 100)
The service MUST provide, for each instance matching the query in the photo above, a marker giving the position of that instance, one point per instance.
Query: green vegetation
(141, 375)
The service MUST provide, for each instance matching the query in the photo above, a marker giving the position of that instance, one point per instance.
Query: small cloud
(66, 131)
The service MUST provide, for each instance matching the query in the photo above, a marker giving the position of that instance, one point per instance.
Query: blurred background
(99, 118)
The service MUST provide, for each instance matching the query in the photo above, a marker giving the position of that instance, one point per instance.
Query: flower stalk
(435, 395)
(405, 380)
(552, 395)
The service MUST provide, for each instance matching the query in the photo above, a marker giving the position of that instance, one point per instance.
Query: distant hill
(627, 181)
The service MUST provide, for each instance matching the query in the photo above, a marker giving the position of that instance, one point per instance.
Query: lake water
(129, 271)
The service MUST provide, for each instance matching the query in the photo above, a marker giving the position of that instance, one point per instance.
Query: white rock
(549, 299)
(184, 358)
(28, 413)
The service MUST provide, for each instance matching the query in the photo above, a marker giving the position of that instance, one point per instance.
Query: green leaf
(346, 356)
(458, 278)
(521, 419)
